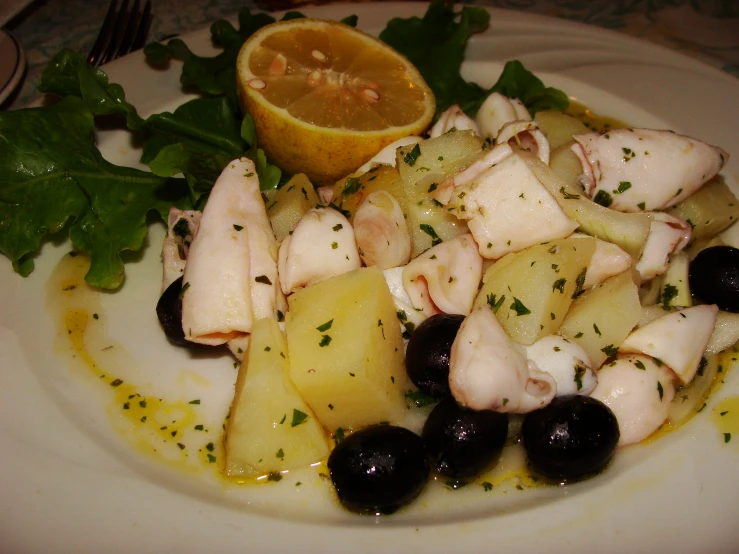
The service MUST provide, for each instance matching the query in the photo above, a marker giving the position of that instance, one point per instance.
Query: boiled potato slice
(558, 127)
(433, 160)
(530, 291)
(270, 427)
(629, 231)
(350, 192)
(290, 203)
(709, 210)
(429, 222)
(674, 285)
(568, 167)
(423, 167)
(602, 317)
(346, 350)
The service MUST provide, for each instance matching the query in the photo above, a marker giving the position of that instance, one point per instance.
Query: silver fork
(123, 31)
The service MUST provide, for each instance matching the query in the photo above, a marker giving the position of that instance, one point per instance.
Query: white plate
(12, 64)
(70, 482)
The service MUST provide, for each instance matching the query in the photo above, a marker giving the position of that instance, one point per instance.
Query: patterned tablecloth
(705, 29)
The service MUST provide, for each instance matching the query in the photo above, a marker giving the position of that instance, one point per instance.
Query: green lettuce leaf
(213, 75)
(52, 176)
(69, 74)
(436, 44)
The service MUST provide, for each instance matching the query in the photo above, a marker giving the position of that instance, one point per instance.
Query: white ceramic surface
(12, 64)
(69, 482)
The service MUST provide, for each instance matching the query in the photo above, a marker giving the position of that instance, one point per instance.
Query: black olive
(572, 437)
(714, 277)
(461, 443)
(427, 355)
(169, 312)
(379, 469)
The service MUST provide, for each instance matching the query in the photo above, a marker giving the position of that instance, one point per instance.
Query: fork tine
(119, 26)
(103, 36)
(140, 39)
(124, 46)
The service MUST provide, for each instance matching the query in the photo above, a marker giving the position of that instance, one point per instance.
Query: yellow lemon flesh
(326, 98)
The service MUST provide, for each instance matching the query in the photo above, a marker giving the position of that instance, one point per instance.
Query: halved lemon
(326, 97)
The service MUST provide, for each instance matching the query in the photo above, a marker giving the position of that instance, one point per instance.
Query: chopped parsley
(351, 186)
(519, 308)
(238, 227)
(580, 282)
(623, 186)
(610, 351)
(603, 198)
(597, 331)
(433, 186)
(579, 372)
(419, 399)
(567, 195)
(660, 390)
(411, 157)
(495, 306)
(184, 288)
(298, 418)
(667, 295)
(280, 454)
(559, 285)
(338, 227)
(325, 341)
(326, 326)
(639, 364)
(263, 279)
(429, 230)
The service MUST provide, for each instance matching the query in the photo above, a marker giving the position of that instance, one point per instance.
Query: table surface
(705, 29)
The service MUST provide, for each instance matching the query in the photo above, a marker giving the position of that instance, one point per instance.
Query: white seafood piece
(386, 156)
(488, 371)
(381, 231)
(217, 286)
(638, 391)
(453, 118)
(567, 363)
(445, 278)
(495, 155)
(608, 260)
(181, 227)
(239, 346)
(644, 169)
(678, 339)
(321, 245)
(409, 316)
(508, 209)
(527, 136)
(667, 235)
(496, 111)
(325, 194)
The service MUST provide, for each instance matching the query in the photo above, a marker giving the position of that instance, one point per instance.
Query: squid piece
(636, 170)
(567, 363)
(639, 392)
(445, 278)
(181, 228)
(321, 245)
(453, 118)
(386, 156)
(488, 371)
(509, 209)
(527, 136)
(608, 260)
(496, 111)
(217, 303)
(409, 317)
(678, 339)
(381, 231)
(494, 156)
(667, 235)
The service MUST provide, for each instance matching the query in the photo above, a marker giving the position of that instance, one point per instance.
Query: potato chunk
(346, 350)
(290, 203)
(349, 193)
(530, 291)
(603, 316)
(270, 428)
